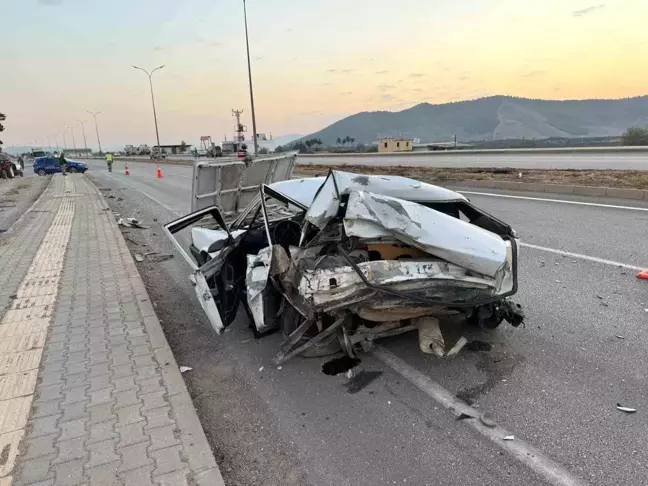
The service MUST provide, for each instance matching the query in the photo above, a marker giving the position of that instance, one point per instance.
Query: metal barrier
(231, 184)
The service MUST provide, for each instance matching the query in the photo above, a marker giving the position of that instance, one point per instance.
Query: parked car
(50, 165)
(337, 262)
(10, 166)
(143, 150)
(130, 150)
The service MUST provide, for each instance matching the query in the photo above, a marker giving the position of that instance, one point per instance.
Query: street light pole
(150, 76)
(247, 45)
(64, 141)
(85, 144)
(73, 141)
(94, 115)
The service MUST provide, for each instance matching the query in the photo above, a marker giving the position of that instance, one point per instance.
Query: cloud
(347, 70)
(387, 97)
(417, 90)
(326, 84)
(346, 93)
(464, 78)
(331, 71)
(381, 72)
(588, 10)
(158, 48)
(50, 2)
(213, 43)
(386, 87)
(416, 75)
(258, 58)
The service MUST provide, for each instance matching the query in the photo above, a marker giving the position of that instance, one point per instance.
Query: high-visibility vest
(109, 158)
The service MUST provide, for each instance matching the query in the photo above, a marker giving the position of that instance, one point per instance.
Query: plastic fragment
(139, 257)
(487, 419)
(185, 368)
(625, 409)
(261, 369)
(509, 437)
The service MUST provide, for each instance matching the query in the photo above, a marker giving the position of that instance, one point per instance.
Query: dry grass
(632, 179)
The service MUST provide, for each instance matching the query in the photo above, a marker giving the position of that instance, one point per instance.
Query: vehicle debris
(464, 416)
(625, 409)
(509, 437)
(336, 263)
(362, 380)
(138, 257)
(184, 369)
(340, 365)
(619, 336)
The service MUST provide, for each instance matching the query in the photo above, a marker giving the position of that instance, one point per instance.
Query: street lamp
(247, 45)
(94, 115)
(71, 128)
(150, 76)
(85, 143)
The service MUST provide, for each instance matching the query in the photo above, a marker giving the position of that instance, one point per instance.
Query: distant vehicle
(50, 165)
(157, 154)
(130, 150)
(38, 153)
(10, 166)
(144, 150)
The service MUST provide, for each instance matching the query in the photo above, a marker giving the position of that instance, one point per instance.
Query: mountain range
(493, 118)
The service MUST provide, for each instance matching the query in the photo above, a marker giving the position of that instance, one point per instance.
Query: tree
(635, 136)
(183, 147)
(279, 148)
(308, 143)
(3, 117)
(263, 151)
(338, 141)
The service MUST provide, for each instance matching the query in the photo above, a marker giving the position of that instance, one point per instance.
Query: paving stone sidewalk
(110, 406)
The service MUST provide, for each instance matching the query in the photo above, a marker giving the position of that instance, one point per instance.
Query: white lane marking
(155, 200)
(180, 175)
(561, 201)
(535, 460)
(582, 257)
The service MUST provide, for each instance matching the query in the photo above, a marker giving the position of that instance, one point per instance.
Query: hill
(493, 118)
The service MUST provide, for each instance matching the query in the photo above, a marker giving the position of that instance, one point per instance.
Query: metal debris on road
(139, 257)
(509, 437)
(620, 336)
(464, 416)
(184, 369)
(625, 409)
(261, 369)
(599, 297)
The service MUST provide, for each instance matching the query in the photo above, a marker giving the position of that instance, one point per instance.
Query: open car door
(220, 301)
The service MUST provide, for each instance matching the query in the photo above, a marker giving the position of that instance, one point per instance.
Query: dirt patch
(631, 179)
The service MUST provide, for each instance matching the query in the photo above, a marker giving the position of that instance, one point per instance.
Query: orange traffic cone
(643, 275)
(159, 173)
(126, 167)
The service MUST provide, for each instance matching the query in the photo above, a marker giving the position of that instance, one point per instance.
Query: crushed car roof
(304, 190)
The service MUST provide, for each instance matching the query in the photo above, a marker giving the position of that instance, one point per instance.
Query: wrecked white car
(337, 262)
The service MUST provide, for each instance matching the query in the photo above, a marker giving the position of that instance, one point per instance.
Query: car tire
(72, 170)
(10, 173)
(41, 172)
(3, 174)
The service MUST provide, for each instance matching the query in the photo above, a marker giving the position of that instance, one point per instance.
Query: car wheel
(291, 319)
(72, 170)
(41, 172)
(10, 173)
(3, 174)
(21, 174)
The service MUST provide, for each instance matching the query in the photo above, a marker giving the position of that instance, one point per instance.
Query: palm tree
(339, 141)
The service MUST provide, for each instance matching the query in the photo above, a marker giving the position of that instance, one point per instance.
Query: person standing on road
(62, 163)
(109, 161)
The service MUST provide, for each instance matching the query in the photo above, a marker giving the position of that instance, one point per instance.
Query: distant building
(388, 144)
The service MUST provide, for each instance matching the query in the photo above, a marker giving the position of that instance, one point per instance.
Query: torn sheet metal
(436, 233)
(323, 286)
(256, 279)
(326, 203)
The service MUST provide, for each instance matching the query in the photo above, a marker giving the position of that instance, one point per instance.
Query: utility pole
(73, 141)
(157, 133)
(94, 115)
(64, 141)
(247, 45)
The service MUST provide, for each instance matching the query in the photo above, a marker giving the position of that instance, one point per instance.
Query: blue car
(50, 165)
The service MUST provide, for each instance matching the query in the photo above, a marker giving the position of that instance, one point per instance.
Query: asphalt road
(579, 160)
(553, 384)
(528, 160)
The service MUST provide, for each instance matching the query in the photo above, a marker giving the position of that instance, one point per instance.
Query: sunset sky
(313, 62)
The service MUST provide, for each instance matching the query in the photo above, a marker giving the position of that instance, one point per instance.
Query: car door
(51, 165)
(219, 282)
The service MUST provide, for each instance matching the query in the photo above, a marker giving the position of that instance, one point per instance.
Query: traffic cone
(643, 275)
(126, 167)
(159, 173)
